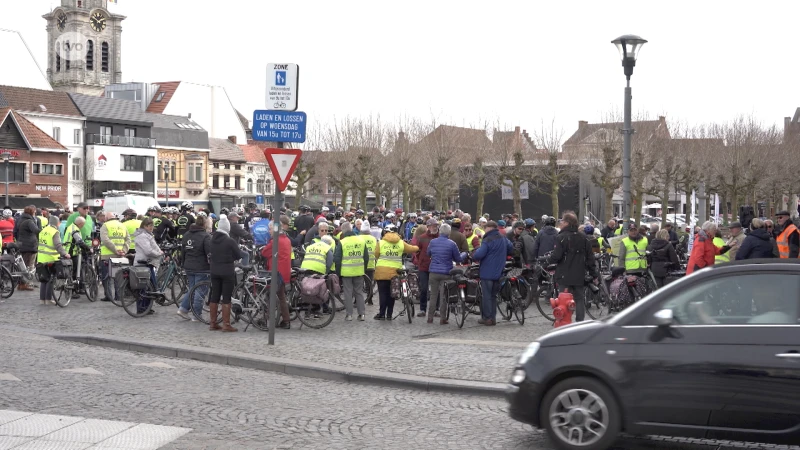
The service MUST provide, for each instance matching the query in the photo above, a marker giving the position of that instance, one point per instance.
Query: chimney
(401, 136)
(662, 119)
(582, 124)
(516, 131)
(190, 115)
(232, 139)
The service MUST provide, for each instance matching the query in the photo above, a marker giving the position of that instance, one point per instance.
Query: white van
(119, 201)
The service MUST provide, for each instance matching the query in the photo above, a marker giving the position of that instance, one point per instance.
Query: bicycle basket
(8, 262)
(450, 291)
(314, 290)
(63, 269)
(138, 277)
(413, 283)
(472, 291)
(43, 272)
(396, 288)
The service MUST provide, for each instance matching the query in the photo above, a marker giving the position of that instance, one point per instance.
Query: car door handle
(788, 355)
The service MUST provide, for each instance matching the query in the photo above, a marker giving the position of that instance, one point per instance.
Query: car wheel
(581, 413)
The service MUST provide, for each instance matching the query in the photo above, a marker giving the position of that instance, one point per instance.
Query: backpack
(314, 290)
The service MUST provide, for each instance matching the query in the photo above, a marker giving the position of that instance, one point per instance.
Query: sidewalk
(475, 353)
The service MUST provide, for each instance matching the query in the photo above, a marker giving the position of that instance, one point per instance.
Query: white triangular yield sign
(282, 162)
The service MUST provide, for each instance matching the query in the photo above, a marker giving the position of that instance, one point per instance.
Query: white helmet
(202, 214)
(173, 209)
(7, 213)
(187, 205)
(325, 209)
(390, 216)
(295, 214)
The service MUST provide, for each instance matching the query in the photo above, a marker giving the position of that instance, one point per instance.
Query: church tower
(84, 46)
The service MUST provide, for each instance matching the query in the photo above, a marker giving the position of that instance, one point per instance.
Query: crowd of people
(352, 244)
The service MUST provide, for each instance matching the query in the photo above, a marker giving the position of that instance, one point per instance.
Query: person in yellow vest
(351, 260)
(473, 239)
(319, 256)
(371, 243)
(632, 250)
(719, 242)
(50, 251)
(114, 242)
(44, 217)
(73, 243)
(789, 238)
(389, 251)
(131, 224)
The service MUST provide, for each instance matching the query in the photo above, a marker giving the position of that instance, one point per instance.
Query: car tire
(603, 408)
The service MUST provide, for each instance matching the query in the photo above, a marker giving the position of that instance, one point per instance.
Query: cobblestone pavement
(475, 352)
(233, 408)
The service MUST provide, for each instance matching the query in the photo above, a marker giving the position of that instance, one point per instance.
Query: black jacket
(528, 248)
(757, 244)
(184, 221)
(574, 256)
(304, 222)
(545, 241)
(664, 257)
(607, 232)
(196, 246)
(26, 232)
(165, 230)
(238, 233)
(224, 252)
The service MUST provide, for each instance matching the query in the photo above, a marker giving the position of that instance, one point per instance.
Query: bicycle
(507, 302)
(405, 294)
(547, 289)
(252, 308)
(308, 309)
(171, 275)
(135, 290)
(16, 268)
(63, 284)
(87, 277)
(463, 304)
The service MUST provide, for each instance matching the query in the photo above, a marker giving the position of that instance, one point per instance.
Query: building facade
(258, 180)
(84, 43)
(56, 114)
(226, 174)
(120, 152)
(182, 163)
(35, 162)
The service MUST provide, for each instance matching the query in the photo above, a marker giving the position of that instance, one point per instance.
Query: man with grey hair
(351, 258)
(443, 252)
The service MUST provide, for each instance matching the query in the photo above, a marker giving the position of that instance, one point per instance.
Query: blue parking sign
(279, 126)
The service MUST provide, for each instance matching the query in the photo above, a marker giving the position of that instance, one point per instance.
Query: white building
(55, 114)
(21, 68)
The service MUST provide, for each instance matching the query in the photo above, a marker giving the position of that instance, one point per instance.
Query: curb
(308, 369)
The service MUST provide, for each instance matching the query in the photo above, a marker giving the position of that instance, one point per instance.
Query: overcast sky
(465, 62)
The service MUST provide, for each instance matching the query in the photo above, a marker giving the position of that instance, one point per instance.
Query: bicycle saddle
(457, 271)
(12, 246)
(243, 267)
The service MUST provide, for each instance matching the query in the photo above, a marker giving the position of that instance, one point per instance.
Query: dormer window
(80, 4)
(160, 96)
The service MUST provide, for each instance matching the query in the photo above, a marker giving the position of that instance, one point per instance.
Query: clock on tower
(84, 42)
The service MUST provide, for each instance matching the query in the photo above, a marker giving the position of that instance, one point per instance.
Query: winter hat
(224, 224)
(365, 227)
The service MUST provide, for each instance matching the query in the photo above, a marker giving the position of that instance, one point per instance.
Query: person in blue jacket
(492, 254)
(260, 229)
(443, 253)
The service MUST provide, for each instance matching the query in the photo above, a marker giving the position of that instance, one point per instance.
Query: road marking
(84, 370)
(8, 377)
(160, 365)
(29, 431)
(468, 342)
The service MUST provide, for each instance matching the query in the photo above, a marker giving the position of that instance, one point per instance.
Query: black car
(714, 355)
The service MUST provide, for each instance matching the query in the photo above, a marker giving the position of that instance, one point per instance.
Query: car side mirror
(664, 318)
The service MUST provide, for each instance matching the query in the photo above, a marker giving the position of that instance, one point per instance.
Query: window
(743, 299)
(215, 165)
(76, 137)
(149, 163)
(227, 180)
(76, 169)
(238, 184)
(249, 185)
(16, 173)
(133, 163)
(160, 96)
(57, 134)
(58, 58)
(47, 169)
(133, 95)
(267, 187)
(66, 49)
(105, 131)
(238, 167)
(80, 4)
(227, 167)
(215, 181)
(249, 168)
(104, 61)
(130, 136)
(195, 173)
(160, 171)
(260, 186)
(89, 55)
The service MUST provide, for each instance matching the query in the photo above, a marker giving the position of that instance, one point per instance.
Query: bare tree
(554, 168)
(513, 152)
(480, 171)
(305, 171)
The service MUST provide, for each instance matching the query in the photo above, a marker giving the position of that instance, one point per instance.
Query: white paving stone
(142, 437)
(90, 431)
(8, 377)
(10, 416)
(160, 365)
(37, 425)
(40, 444)
(84, 370)
(9, 442)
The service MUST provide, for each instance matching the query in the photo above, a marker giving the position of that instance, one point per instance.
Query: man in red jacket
(423, 262)
(284, 272)
(703, 249)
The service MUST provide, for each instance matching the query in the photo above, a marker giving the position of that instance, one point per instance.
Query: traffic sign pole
(273, 291)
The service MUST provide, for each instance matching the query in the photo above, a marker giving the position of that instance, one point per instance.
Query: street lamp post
(167, 164)
(629, 46)
(6, 159)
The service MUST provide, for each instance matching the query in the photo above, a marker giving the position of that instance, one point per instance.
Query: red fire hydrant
(563, 306)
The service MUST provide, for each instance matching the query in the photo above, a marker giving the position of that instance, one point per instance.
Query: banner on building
(508, 193)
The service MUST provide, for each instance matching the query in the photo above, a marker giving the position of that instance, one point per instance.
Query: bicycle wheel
(369, 287)
(543, 296)
(461, 310)
(133, 301)
(62, 291)
(178, 288)
(118, 281)
(503, 298)
(519, 311)
(198, 302)
(408, 302)
(89, 280)
(316, 316)
(293, 297)
(7, 284)
(258, 314)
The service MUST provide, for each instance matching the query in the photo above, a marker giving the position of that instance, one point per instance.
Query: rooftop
(177, 131)
(35, 138)
(102, 109)
(225, 150)
(38, 101)
(162, 97)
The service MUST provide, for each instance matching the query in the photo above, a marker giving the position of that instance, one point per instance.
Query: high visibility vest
(132, 225)
(47, 248)
(719, 259)
(316, 257)
(632, 261)
(618, 231)
(116, 232)
(43, 221)
(479, 231)
(391, 255)
(68, 238)
(469, 242)
(333, 247)
(783, 240)
(156, 222)
(371, 243)
(353, 249)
